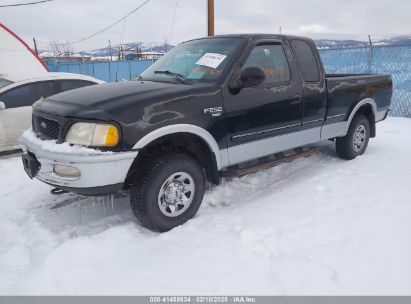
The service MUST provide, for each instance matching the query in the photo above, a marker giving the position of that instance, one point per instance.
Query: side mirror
(251, 77)
(2, 105)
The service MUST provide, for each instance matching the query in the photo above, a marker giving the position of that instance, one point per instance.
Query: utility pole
(210, 13)
(279, 30)
(35, 46)
(111, 54)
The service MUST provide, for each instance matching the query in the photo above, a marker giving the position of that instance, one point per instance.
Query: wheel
(169, 193)
(356, 141)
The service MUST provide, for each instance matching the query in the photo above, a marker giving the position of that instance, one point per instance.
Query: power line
(174, 19)
(122, 31)
(111, 25)
(27, 3)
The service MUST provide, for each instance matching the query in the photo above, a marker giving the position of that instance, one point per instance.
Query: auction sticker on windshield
(211, 60)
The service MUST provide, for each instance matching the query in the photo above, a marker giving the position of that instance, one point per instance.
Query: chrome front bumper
(97, 171)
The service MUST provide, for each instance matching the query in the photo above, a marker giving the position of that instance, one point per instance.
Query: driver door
(262, 120)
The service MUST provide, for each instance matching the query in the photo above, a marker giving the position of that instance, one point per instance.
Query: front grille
(45, 128)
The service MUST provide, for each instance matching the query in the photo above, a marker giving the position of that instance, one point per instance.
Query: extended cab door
(314, 90)
(263, 120)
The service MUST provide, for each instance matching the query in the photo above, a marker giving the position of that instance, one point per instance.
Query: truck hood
(111, 101)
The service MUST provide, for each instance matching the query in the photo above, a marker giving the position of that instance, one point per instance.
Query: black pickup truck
(209, 104)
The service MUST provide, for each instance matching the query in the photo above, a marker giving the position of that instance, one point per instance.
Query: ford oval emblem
(43, 125)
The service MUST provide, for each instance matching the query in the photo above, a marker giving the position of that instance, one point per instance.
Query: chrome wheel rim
(360, 136)
(176, 194)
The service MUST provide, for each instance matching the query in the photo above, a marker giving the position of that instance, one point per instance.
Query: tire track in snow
(255, 241)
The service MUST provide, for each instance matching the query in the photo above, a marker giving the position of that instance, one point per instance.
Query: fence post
(109, 71)
(370, 53)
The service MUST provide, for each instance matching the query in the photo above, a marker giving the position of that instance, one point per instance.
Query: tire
(356, 141)
(155, 206)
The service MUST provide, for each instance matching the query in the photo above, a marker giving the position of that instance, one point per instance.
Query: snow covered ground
(319, 226)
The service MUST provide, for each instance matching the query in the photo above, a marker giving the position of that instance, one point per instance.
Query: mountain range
(330, 43)
(129, 47)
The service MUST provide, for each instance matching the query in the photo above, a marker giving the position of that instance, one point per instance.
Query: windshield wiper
(177, 76)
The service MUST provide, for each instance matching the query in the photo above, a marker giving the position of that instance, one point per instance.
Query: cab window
(306, 60)
(271, 59)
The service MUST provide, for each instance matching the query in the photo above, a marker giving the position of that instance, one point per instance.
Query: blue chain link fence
(393, 60)
(109, 71)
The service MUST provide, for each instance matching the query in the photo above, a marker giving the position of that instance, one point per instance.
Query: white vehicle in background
(24, 79)
(17, 98)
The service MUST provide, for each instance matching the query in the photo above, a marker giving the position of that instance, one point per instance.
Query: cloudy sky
(70, 20)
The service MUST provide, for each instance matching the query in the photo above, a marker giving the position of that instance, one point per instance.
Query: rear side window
(306, 60)
(27, 94)
(66, 85)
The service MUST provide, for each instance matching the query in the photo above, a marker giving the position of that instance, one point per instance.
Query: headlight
(92, 134)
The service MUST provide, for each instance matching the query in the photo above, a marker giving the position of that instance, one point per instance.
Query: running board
(268, 162)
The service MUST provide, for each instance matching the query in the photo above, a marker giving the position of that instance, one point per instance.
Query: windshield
(4, 82)
(201, 60)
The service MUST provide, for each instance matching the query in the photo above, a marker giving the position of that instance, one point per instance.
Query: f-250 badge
(215, 112)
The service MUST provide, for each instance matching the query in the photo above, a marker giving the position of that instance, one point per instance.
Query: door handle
(296, 99)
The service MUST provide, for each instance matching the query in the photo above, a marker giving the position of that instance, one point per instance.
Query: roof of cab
(254, 36)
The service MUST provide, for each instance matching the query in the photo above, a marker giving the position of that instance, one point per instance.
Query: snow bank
(316, 226)
(66, 148)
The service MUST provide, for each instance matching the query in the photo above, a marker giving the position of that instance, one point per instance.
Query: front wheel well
(187, 143)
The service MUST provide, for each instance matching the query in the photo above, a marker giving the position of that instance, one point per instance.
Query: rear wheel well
(367, 111)
(187, 143)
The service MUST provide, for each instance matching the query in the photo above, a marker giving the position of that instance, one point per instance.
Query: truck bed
(346, 90)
